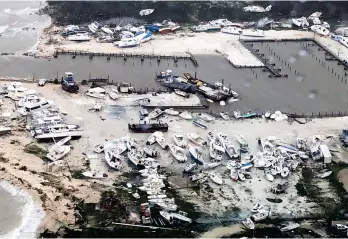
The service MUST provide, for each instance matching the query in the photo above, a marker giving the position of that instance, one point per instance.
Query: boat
(190, 167)
(224, 116)
(171, 111)
(232, 30)
(211, 165)
(253, 33)
(260, 216)
(214, 153)
(285, 172)
(325, 174)
(148, 128)
(99, 148)
(199, 124)
(223, 138)
(211, 136)
(127, 43)
(143, 36)
(152, 139)
(274, 200)
(155, 113)
(181, 93)
(113, 94)
(57, 152)
(95, 174)
(196, 154)
(241, 175)
(217, 145)
(206, 28)
(112, 160)
(343, 41)
(136, 195)
(269, 177)
(318, 29)
(280, 188)
(196, 177)
(234, 174)
(241, 140)
(186, 115)
(57, 131)
(179, 140)
(168, 206)
(256, 8)
(256, 208)
(205, 117)
(248, 223)
(93, 27)
(69, 84)
(231, 151)
(216, 179)
(291, 226)
(178, 153)
(107, 30)
(146, 12)
(79, 37)
(141, 102)
(151, 152)
(180, 217)
(300, 22)
(196, 139)
(33, 102)
(157, 196)
(97, 92)
(162, 142)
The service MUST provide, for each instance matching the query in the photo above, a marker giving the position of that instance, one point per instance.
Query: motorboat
(225, 194)
(155, 113)
(216, 179)
(57, 131)
(260, 216)
(232, 30)
(269, 177)
(214, 153)
(162, 142)
(293, 226)
(234, 174)
(97, 92)
(148, 128)
(285, 172)
(231, 151)
(33, 102)
(257, 8)
(142, 37)
(217, 145)
(300, 22)
(157, 196)
(181, 93)
(152, 139)
(141, 102)
(248, 223)
(223, 138)
(205, 117)
(93, 27)
(112, 160)
(224, 115)
(106, 29)
(168, 206)
(211, 136)
(186, 115)
(79, 37)
(197, 177)
(190, 167)
(179, 140)
(241, 140)
(199, 124)
(222, 23)
(341, 227)
(211, 165)
(207, 28)
(241, 175)
(256, 208)
(171, 111)
(126, 35)
(253, 33)
(113, 94)
(318, 29)
(99, 148)
(325, 174)
(178, 153)
(196, 154)
(196, 139)
(58, 152)
(95, 174)
(146, 12)
(280, 188)
(151, 152)
(127, 43)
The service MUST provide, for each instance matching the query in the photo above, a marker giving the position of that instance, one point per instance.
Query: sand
(246, 194)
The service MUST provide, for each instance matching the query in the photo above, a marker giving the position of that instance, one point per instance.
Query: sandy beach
(58, 191)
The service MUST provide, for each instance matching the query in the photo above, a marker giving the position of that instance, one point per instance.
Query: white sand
(97, 131)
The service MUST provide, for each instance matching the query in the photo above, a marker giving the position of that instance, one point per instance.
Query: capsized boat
(248, 223)
(95, 174)
(179, 140)
(155, 113)
(178, 153)
(196, 139)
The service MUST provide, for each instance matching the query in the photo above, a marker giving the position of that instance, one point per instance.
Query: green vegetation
(77, 174)
(36, 150)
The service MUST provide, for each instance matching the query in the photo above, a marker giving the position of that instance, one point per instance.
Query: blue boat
(199, 124)
(248, 115)
(246, 166)
(69, 84)
(143, 36)
(152, 28)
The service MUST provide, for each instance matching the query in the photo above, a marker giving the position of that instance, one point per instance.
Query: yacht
(57, 131)
(97, 92)
(127, 42)
(107, 30)
(232, 30)
(79, 37)
(253, 33)
(320, 30)
(32, 102)
(93, 27)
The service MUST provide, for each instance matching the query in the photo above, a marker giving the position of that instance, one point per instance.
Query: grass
(77, 174)
(36, 150)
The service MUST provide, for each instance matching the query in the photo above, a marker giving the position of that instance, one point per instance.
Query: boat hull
(147, 128)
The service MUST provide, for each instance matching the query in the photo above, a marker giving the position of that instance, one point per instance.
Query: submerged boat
(148, 128)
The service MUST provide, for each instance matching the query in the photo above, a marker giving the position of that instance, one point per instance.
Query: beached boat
(190, 167)
(58, 152)
(260, 216)
(57, 131)
(97, 92)
(112, 160)
(241, 175)
(257, 8)
(248, 223)
(253, 33)
(234, 174)
(196, 139)
(106, 29)
(151, 152)
(152, 139)
(142, 37)
(241, 140)
(113, 94)
(162, 142)
(186, 115)
(318, 29)
(285, 172)
(325, 174)
(223, 138)
(146, 12)
(155, 113)
(217, 145)
(232, 30)
(181, 93)
(99, 148)
(343, 41)
(79, 37)
(269, 177)
(148, 128)
(231, 151)
(196, 154)
(206, 28)
(211, 136)
(95, 174)
(93, 27)
(256, 208)
(179, 140)
(205, 117)
(291, 227)
(127, 43)
(33, 102)
(178, 153)
(300, 22)
(214, 153)
(171, 111)
(224, 115)
(141, 102)
(215, 178)
(199, 124)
